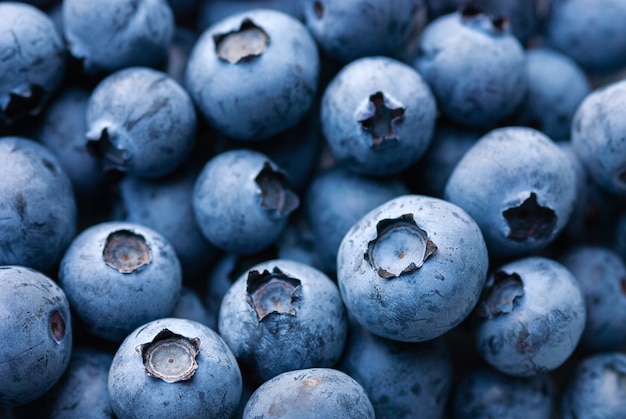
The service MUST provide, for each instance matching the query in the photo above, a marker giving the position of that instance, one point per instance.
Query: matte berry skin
(213, 390)
(486, 393)
(598, 136)
(311, 332)
(338, 198)
(112, 35)
(412, 268)
(241, 201)
(378, 116)
(518, 185)
(475, 67)
(402, 380)
(37, 205)
(32, 62)
(348, 30)
(596, 388)
(191, 307)
(591, 32)
(530, 317)
(213, 11)
(308, 394)
(111, 297)
(36, 334)
(266, 89)
(140, 121)
(602, 277)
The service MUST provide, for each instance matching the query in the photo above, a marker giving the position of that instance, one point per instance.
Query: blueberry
(598, 136)
(242, 200)
(519, 186)
(174, 368)
(283, 315)
(37, 205)
(32, 60)
(214, 11)
(118, 276)
(485, 393)
(310, 393)
(254, 74)
(412, 268)
(140, 121)
(112, 35)
(530, 317)
(378, 116)
(36, 334)
(602, 277)
(191, 307)
(352, 29)
(402, 379)
(474, 65)
(338, 198)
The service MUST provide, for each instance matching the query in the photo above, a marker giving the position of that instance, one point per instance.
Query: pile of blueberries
(313, 209)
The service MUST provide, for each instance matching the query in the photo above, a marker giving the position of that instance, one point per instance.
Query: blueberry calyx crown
(503, 296)
(530, 220)
(241, 45)
(23, 102)
(126, 251)
(400, 247)
(57, 326)
(170, 356)
(379, 116)
(276, 196)
(273, 293)
(100, 145)
(471, 12)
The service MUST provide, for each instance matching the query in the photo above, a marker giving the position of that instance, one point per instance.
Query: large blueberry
(518, 185)
(412, 268)
(283, 315)
(37, 205)
(530, 317)
(36, 334)
(174, 368)
(378, 116)
(118, 276)
(140, 121)
(474, 65)
(115, 34)
(254, 74)
(241, 201)
(599, 136)
(310, 393)
(32, 60)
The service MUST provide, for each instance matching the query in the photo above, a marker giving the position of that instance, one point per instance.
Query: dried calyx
(273, 293)
(400, 247)
(170, 356)
(276, 196)
(243, 44)
(503, 296)
(530, 220)
(126, 251)
(471, 11)
(379, 117)
(21, 103)
(99, 144)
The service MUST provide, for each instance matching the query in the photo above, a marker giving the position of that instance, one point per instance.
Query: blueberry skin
(120, 275)
(556, 87)
(191, 307)
(213, 11)
(241, 201)
(254, 74)
(112, 35)
(335, 200)
(530, 317)
(213, 390)
(36, 334)
(378, 116)
(352, 29)
(602, 277)
(475, 67)
(412, 269)
(32, 62)
(305, 328)
(598, 136)
(308, 394)
(596, 388)
(590, 32)
(402, 380)
(140, 121)
(518, 185)
(486, 393)
(37, 205)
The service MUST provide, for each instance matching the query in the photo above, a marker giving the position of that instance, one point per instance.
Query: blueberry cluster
(313, 208)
